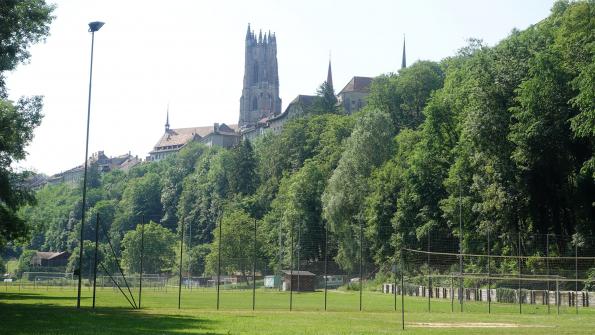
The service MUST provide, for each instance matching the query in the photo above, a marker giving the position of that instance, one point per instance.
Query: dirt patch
(468, 325)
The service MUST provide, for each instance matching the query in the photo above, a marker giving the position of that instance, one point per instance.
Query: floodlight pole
(93, 27)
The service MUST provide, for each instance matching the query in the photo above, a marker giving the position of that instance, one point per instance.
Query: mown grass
(51, 311)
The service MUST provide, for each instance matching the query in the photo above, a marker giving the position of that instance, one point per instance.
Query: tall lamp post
(93, 27)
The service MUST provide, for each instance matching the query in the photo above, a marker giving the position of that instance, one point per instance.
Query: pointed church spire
(404, 60)
(167, 120)
(248, 33)
(329, 75)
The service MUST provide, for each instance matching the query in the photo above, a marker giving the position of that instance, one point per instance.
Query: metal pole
(558, 295)
(291, 271)
(489, 275)
(180, 269)
(189, 246)
(361, 260)
(402, 291)
(78, 296)
(395, 286)
(254, 271)
(325, 262)
(452, 294)
(519, 284)
(299, 249)
(95, 256)
(142, 254)
(429, 276)
(461, 292)
(547, 264)
(219, 260)
(576, 276)
(280, 258)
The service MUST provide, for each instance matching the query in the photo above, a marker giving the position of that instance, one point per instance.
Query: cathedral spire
(329, 75)
(167, 120)
(404, 60)
(248, 33)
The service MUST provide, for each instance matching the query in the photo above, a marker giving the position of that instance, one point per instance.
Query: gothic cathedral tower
(260, 95)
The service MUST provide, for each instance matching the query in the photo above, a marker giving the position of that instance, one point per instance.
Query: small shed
(298, 280)
(272, 281)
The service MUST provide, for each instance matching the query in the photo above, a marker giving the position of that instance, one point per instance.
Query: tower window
(255, 74)
(254, 103)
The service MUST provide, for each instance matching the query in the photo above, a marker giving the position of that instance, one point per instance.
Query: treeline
(499, 138)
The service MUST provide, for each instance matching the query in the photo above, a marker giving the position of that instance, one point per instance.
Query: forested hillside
(501, 138)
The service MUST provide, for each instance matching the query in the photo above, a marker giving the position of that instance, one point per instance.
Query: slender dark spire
(248, 33)
(404, 61)
(167, 120)
(329, 75)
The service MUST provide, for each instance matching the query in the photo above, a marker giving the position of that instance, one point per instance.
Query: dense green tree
(24, 264)
(142, 196)
(158, 253)
(88, 259)
(326, 100)
(367, 148)
(24, 22)
(18, 121)
(404, 96)
(241, 173)
(237, 236)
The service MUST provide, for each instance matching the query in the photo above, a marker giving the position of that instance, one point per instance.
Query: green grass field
(51, 311)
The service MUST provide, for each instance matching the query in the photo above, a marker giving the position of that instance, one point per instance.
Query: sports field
(51, 311)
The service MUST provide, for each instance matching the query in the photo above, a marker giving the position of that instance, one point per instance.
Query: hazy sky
(190, 54)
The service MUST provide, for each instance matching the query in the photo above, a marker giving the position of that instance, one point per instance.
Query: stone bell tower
(260, 94)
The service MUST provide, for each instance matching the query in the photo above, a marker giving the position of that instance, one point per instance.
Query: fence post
(461, 280)
(429, 275)
(219, 259)
(489, 295)
(576, 276)
(291, 271)
(402, 290)
(361, 260)
(254, 270)
(547, 265)
(95, 256)
(299, 249)
(142, 253)
(452, 294)
(519, 283)
(180, 276)
(558, 295)
(325, 262)
(395, 284)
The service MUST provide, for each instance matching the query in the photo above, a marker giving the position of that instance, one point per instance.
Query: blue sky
(190, 54)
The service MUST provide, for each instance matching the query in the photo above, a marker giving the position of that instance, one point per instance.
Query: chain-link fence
(304, 267)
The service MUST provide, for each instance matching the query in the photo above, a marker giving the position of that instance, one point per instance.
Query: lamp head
(95, 26)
